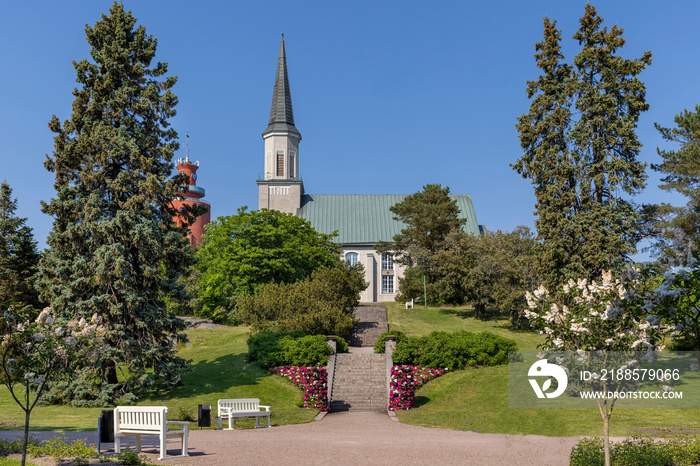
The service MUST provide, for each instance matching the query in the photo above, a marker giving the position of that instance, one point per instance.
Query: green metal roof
(366, 218)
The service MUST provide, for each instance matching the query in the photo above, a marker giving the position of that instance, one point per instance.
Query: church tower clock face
(194, 176)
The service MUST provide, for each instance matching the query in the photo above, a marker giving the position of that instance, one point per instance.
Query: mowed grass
(9, 462)
(477, 399)
(218, 370)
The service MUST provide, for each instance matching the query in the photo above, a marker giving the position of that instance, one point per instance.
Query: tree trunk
(27, 412)
(110, 372)
(606, 436)
(479, 310)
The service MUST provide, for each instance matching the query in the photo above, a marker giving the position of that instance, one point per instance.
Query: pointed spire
(281, 114)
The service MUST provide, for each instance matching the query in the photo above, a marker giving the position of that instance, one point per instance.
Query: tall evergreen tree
(114, 250)
(681, 168)
(581, 151)
(547, 160)
(430, 216)
(18, 255)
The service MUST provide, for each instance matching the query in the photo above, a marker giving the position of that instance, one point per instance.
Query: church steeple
(280, 187)
(281, 113)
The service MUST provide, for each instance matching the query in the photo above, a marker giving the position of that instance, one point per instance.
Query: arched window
(351, 259)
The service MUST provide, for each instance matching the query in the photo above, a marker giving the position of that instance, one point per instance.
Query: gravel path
(365, 438)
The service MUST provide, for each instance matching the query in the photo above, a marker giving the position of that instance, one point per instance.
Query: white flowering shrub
(610, 314)
(34, 352)
(602, 317)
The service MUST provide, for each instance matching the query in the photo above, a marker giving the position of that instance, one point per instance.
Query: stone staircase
(371, 324)
(359, 380)
(359, 383)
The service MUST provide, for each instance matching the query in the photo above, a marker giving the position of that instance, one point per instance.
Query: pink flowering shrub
(311, 380)
(405, 380)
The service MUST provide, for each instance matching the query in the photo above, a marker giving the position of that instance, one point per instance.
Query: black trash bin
(107, 426)
(204, 416)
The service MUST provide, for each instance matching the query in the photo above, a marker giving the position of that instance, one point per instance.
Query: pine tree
(581, 151)
(682, 170)
(547, 160)
(430, 216)
(18, 256)
(114, 250)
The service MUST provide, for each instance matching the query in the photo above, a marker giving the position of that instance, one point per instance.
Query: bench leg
(268, 421)
(184, 444)
(257, 421)
(163, 446)
(117, 444)
(138, 442)
(219, 422)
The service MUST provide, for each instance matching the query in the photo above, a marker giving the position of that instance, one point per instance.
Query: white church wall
(380, 289)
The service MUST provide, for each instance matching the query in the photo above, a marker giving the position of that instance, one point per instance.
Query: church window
(292, 171)
(280, 163)
(387, 284)
(351, 259)
(388, 262)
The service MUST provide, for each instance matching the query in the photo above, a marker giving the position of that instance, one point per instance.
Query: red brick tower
(193, 195)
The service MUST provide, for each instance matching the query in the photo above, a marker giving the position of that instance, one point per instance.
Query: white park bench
(147, 420)
(244, 407)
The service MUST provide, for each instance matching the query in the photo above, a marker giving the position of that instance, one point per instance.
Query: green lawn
(477, 399)
(218, 370)
(9, 462)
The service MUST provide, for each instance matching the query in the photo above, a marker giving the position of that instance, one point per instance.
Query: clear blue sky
(388, 95)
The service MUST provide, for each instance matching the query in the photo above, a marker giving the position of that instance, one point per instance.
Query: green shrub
(309, 350)
(266, 349)
(130, 457)
(273, 349)
(320, 305)
(15, 446)
(61, 447)
(341, 345)
(636, 451)
(454, 351)
(380, 346)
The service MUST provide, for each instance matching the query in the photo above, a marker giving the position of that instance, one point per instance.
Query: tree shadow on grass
(216, 376)
(420, 401)
(462, 313)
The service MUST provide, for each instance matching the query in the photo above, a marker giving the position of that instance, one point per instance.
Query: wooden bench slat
(244, 407)
(147, 420)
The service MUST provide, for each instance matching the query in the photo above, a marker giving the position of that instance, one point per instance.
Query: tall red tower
(193, 195)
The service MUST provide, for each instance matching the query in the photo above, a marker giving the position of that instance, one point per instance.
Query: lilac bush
(405, 380)
(311, 380)
(36, 352)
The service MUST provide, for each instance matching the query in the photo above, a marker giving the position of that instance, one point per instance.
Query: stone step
(359, 382)
(347, 397)
(358, 402)
(346, 371)
(371, 324)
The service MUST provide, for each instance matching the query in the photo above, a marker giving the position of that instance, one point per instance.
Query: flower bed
(404, 382)
(311, 380)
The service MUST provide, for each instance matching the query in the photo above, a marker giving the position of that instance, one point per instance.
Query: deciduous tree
(243, 252)
(493, 269)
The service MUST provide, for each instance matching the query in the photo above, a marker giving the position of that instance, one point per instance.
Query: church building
(362, 220)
